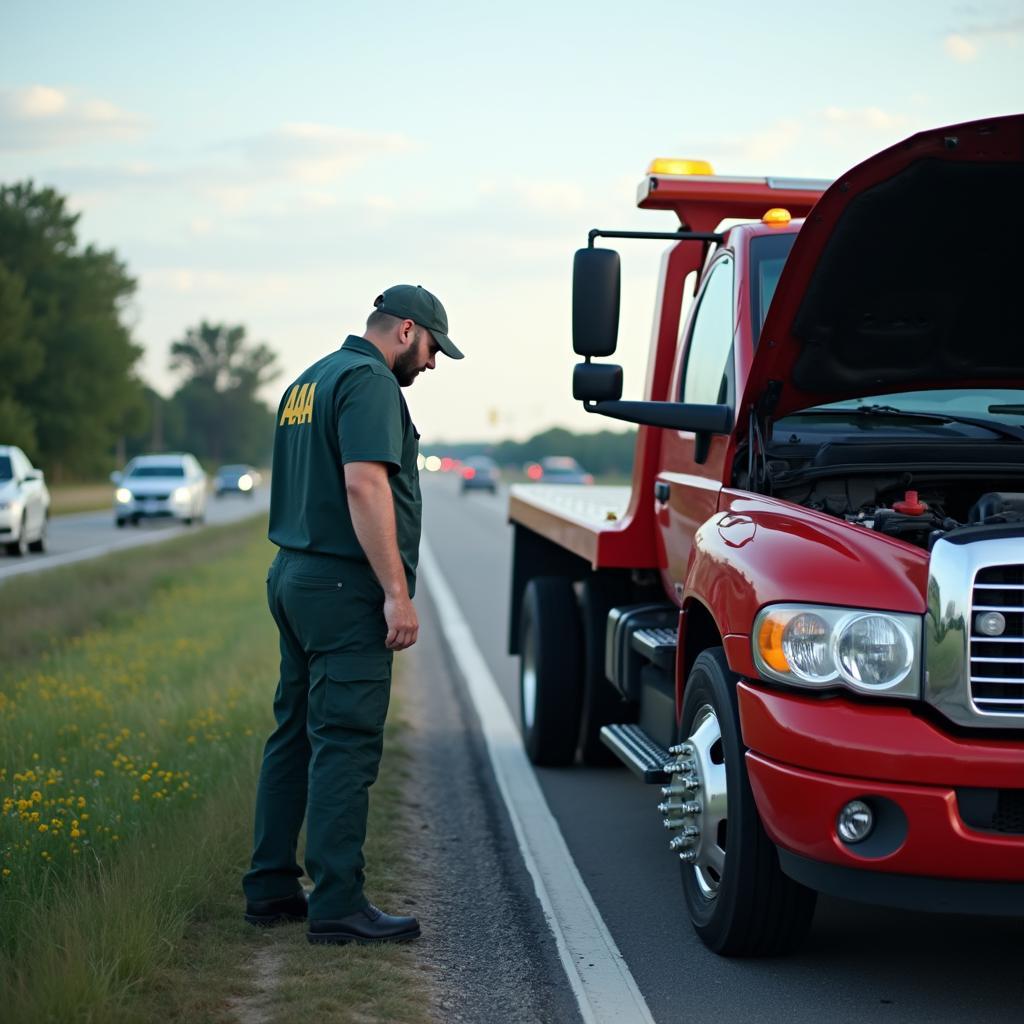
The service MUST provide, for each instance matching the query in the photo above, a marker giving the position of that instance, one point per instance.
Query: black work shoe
(265, 913)
(369, 925)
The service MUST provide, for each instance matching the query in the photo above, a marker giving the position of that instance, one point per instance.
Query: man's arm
(373, 517)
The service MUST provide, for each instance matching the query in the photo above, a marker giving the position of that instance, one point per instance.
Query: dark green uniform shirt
(348, 407)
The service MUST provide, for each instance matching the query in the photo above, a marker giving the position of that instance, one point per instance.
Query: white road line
(600, 979)
(36, 564)
(40, 563)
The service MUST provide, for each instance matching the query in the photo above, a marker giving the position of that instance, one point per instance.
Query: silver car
(24, 503)
(160, 486)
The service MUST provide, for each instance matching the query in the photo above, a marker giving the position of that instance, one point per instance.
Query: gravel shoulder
(486, 944)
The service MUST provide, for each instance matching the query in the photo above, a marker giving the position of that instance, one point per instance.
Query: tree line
(70, 392)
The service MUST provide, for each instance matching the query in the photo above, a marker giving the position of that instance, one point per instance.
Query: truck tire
(740, 902)
(601, 702)
(550, 671)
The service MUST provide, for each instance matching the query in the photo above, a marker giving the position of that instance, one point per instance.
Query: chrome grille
(997, 663)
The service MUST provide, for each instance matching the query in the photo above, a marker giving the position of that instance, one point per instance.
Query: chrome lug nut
(681, 748)
(686, 807)
(678, 842)
(688, 856)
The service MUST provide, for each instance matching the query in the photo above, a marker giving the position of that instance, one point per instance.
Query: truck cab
(804, 621)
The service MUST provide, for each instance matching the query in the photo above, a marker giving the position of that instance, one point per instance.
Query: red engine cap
(910, 506)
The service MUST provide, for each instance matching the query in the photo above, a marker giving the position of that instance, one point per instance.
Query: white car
(160, 486)
(24, 503)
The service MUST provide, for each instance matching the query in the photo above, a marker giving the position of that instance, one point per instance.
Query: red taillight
(468, 473)
(534, 472)
(587, 478)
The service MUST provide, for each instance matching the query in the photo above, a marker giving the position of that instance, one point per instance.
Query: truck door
(690, 476)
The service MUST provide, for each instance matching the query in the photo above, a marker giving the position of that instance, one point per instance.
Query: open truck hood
(907, 274)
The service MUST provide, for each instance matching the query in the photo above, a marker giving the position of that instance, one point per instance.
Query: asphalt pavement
(87, 535)
(860, 963)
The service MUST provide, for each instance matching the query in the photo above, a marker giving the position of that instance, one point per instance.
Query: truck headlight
(181, 495)
(818, 646)
(123, 495)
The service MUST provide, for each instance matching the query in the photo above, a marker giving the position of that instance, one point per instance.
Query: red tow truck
(804, 621)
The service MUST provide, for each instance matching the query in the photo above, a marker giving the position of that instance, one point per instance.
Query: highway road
(89, 534)
(860, 964)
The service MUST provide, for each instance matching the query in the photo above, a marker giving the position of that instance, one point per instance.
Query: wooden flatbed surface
(571, 516)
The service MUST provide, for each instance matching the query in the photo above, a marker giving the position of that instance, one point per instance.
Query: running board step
(637, 751)
(657, 645)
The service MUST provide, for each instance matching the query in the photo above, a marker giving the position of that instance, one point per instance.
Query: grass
(129, 746)
(66, 499)
(40, 611)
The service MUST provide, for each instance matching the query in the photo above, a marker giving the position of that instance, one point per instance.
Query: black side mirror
(596, 382)
(595, 302)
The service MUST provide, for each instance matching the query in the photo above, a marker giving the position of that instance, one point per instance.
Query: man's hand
(403, 626)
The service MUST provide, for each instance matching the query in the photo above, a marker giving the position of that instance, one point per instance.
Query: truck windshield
(5, 468)
(1002, 405)
(767, 258)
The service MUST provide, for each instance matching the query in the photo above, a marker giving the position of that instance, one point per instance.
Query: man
(345, 513)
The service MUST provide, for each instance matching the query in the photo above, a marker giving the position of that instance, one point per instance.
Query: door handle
(662, 489)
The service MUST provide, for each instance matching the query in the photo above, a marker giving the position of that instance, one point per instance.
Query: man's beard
(407, 365)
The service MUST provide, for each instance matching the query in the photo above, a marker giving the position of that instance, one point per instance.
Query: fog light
(991, 623)
(855, 822)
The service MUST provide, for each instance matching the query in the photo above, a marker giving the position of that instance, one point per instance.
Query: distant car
(480, 473)
(24, 503)
(236, 480)
(558, 469)
(160, 486)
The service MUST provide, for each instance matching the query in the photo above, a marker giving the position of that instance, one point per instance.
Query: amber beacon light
(675, 165)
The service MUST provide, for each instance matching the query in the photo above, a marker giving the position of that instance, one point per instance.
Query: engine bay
(896, 506)
(915, 490)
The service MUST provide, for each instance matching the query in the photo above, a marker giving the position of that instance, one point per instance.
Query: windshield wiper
(1003, 429)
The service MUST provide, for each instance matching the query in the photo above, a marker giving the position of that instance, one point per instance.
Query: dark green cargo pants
(330, 706)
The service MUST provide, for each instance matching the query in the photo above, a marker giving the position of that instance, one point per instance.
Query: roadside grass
(66, 499)
(129, 749)
(42, 610)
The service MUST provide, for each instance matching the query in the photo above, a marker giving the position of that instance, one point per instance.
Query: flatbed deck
(574, 517)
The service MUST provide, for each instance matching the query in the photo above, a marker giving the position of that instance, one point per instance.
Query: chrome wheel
(528, 682)
(698, 801)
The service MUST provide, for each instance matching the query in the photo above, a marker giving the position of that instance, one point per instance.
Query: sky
(279, 165)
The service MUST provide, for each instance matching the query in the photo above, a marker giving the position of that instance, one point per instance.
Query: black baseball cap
(414, 302)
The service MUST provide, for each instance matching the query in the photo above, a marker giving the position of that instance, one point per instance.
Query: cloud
(315, 153)
(42, 117)
(829, 137)
(872, 127)
(966, 42)
(960, 48)
(864, 117)
(554, 200)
